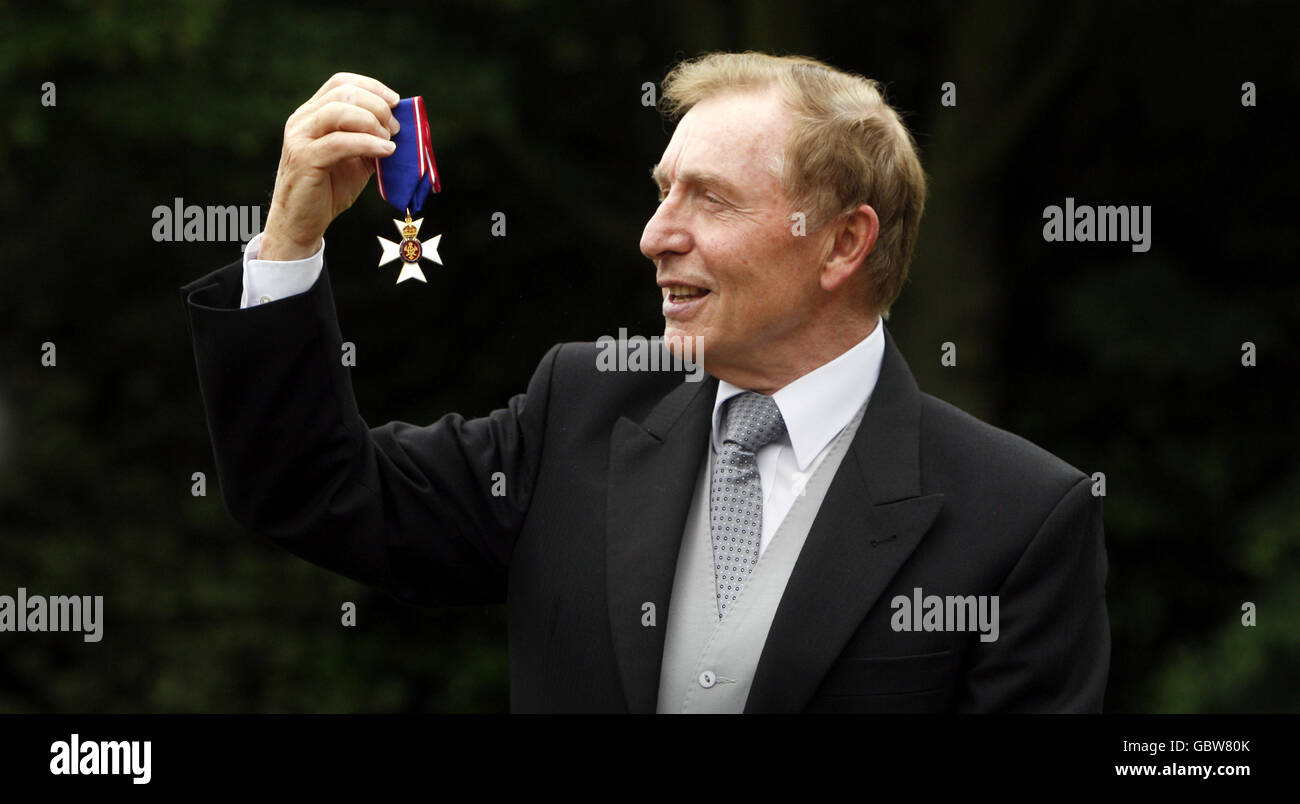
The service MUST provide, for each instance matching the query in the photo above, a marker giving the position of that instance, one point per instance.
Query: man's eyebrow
(660, 178)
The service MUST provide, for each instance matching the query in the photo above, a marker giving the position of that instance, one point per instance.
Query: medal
(405, 178)
(410, 250)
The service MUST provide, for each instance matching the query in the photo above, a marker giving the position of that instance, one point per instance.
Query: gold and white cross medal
(410, 250)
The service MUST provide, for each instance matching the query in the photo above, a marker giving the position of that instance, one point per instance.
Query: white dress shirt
(272, 280)
(816, 407)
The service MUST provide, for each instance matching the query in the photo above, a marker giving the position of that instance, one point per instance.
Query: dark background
(1119, 362)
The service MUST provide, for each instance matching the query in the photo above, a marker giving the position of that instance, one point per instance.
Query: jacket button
(707, 679)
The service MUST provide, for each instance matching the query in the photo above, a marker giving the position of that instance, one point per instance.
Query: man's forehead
(727, 136)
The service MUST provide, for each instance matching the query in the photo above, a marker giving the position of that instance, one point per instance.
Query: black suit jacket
(599, 470)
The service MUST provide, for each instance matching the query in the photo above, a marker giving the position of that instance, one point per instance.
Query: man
(803, 531)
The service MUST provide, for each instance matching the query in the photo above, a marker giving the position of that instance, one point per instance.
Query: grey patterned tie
(750, 421)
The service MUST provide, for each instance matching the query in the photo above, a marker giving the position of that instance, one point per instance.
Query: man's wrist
(281, 250)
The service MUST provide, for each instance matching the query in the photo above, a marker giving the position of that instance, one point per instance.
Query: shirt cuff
(271, 280)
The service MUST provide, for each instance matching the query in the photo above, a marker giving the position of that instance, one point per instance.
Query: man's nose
(665, 232)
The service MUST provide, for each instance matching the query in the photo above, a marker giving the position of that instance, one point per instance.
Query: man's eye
(712, 199)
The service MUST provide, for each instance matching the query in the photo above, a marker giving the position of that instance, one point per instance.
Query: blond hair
(847, 147)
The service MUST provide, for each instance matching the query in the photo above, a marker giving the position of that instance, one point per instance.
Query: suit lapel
(653, 467)
(870, 521)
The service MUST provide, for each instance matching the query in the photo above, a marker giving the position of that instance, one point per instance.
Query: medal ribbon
(409, 174)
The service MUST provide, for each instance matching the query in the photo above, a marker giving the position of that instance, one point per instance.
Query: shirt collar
(818, 405)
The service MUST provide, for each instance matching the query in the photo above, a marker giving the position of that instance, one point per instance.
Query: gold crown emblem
(409, 231)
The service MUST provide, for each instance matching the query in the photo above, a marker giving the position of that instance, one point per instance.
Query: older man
(803, 531)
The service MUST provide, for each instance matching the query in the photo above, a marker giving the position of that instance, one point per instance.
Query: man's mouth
(681, 302)
(679, 294)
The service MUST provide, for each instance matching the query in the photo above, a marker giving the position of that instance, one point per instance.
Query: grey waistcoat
(708, 665)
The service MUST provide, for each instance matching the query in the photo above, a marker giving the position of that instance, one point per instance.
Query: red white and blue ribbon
(409, 174)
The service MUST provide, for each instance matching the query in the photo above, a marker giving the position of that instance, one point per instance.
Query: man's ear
(852, 236)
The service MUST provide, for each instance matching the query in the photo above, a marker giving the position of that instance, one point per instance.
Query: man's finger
(339, 116)
(337, 146)
(353, 95)
(363, 81)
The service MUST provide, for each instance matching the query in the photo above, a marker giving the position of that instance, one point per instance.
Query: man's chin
(685, 344)
(675, 336)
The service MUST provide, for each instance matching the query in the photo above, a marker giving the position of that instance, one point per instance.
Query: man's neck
(800, 358)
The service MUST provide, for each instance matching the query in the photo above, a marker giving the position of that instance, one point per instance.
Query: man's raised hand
(327, 158)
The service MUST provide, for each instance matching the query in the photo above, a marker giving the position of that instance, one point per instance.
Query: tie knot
(752, 420)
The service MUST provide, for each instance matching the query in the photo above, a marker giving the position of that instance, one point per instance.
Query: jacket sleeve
(1052, 653)
(408, 509)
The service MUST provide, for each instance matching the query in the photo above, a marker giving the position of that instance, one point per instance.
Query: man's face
(730, 268)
